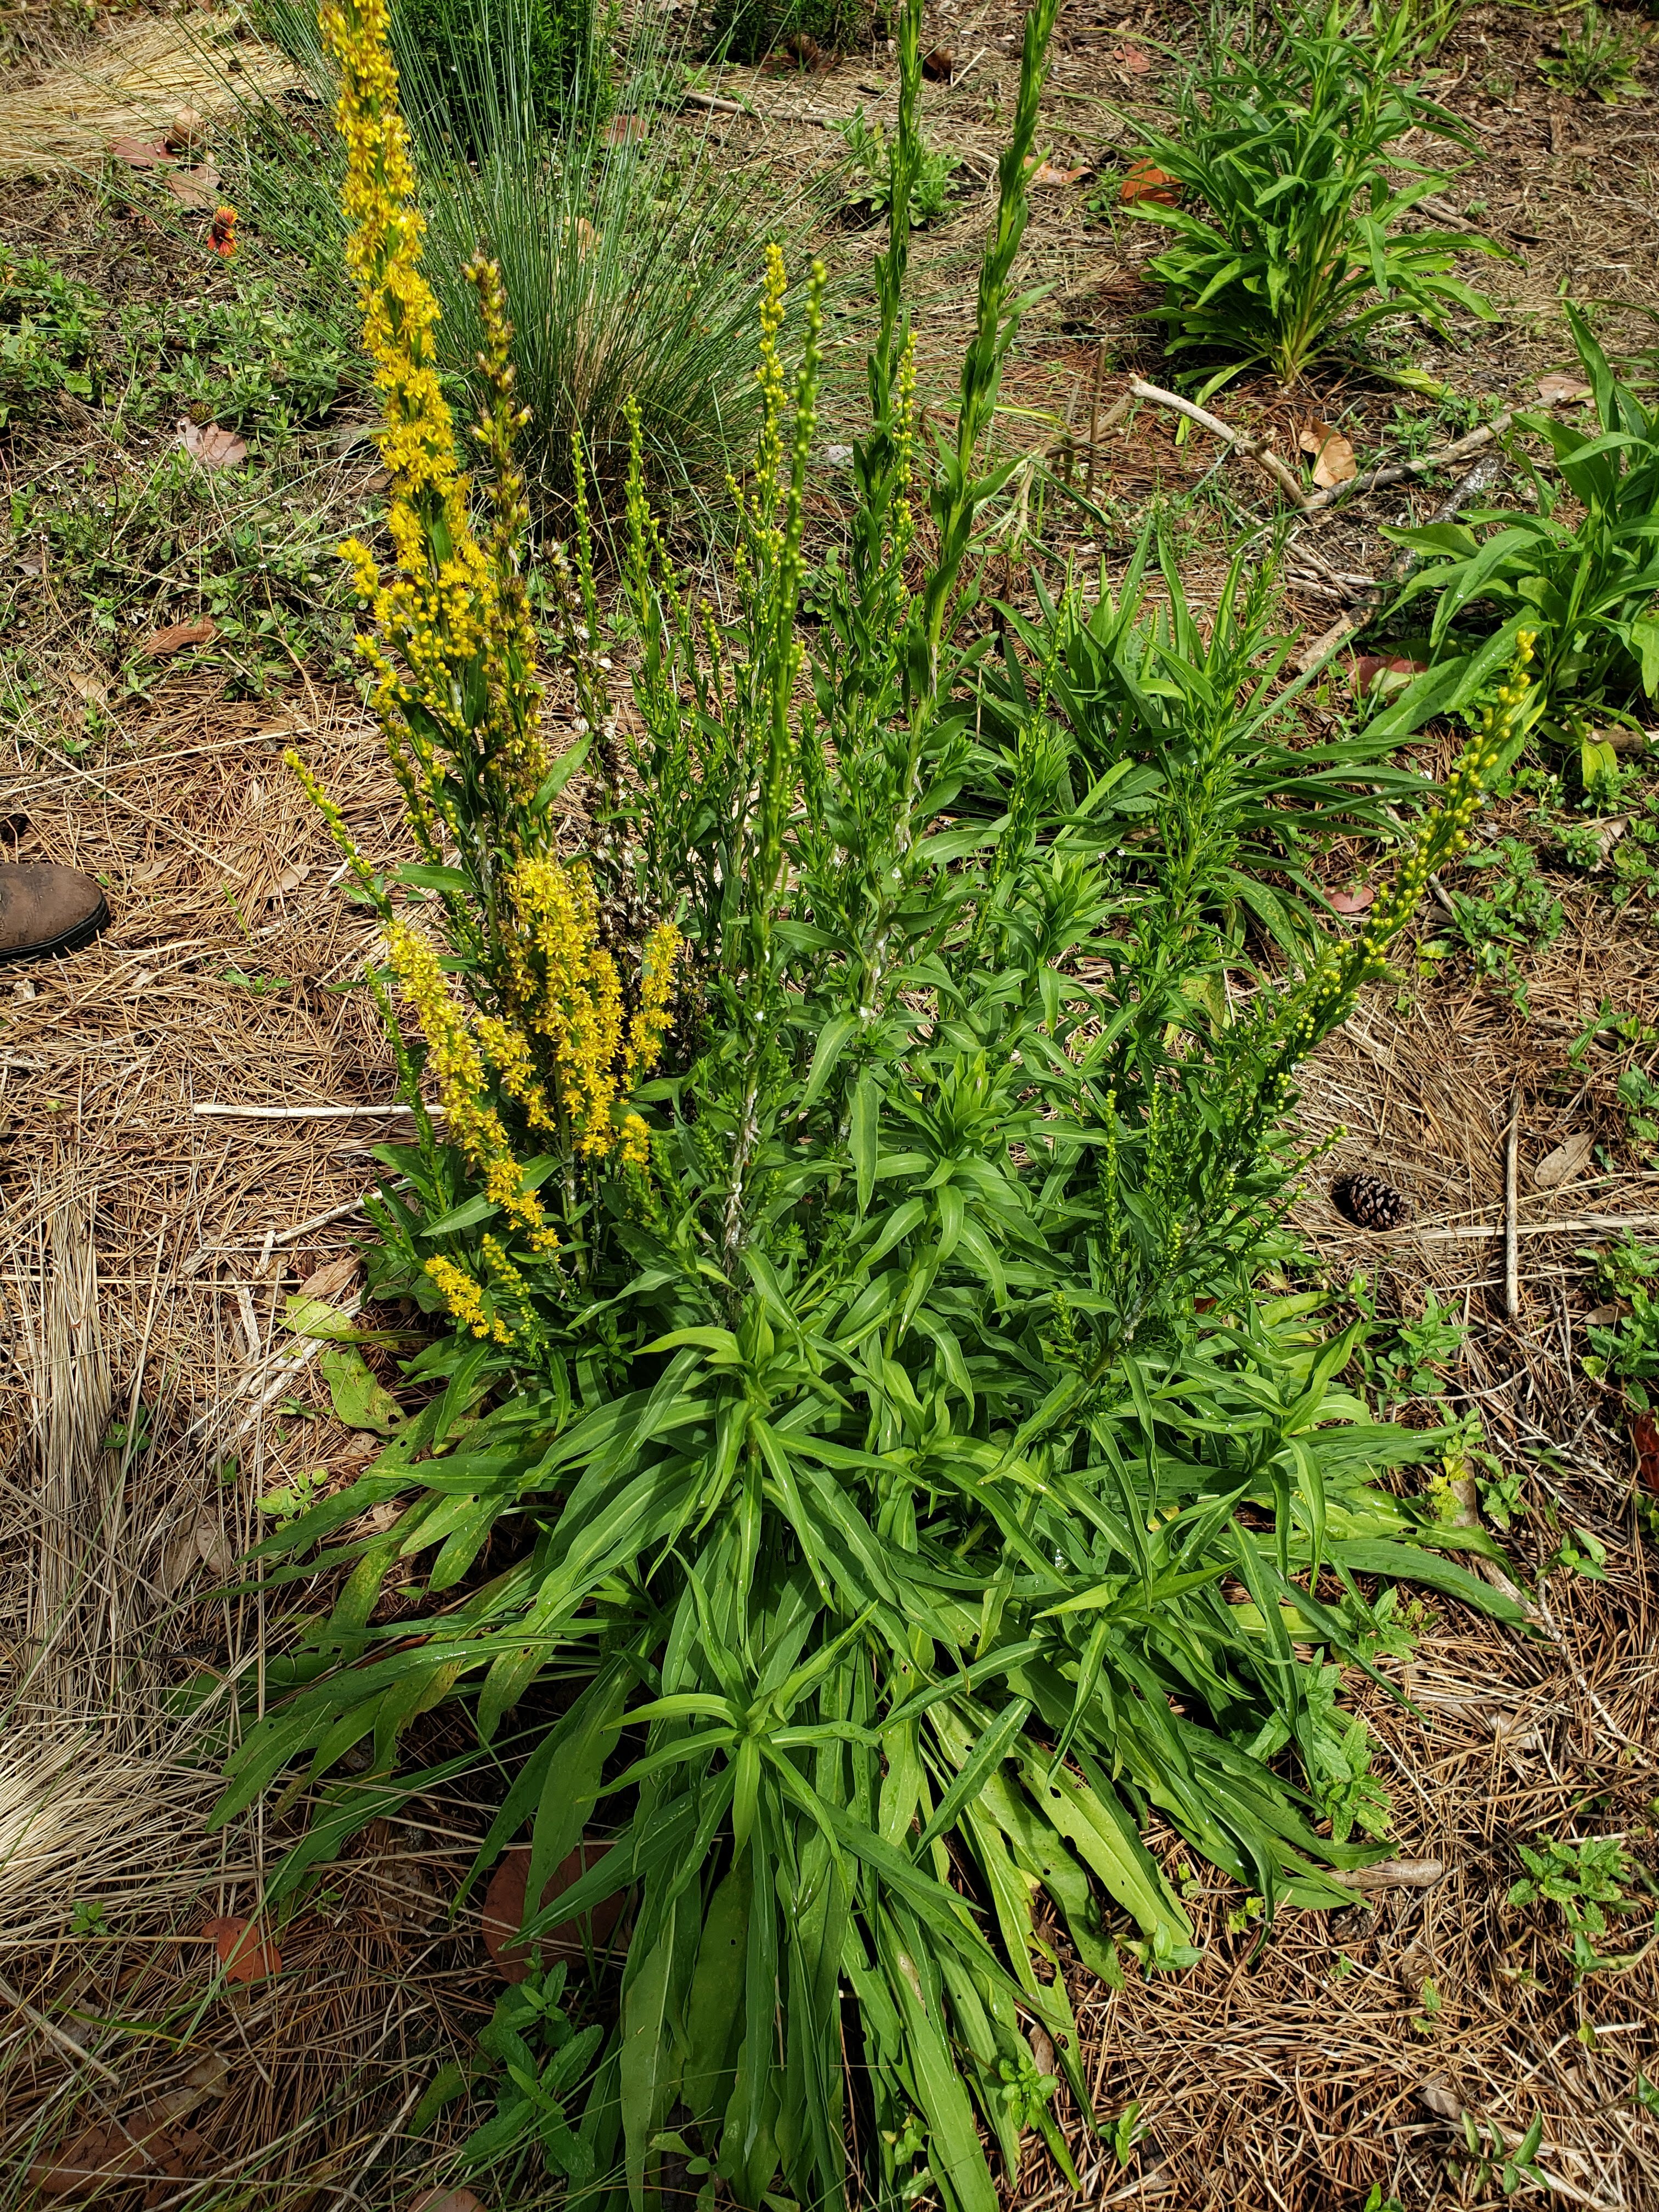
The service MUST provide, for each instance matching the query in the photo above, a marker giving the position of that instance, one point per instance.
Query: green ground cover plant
(48, 336)
(872, 183)
(1580, 565)
(1589, 1880)
(853, 1476)
(1290, 247)
(1596, 60)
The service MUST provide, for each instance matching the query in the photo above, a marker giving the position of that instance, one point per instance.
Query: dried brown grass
(132, 84)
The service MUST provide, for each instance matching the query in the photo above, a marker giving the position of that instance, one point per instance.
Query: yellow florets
(465, 1301)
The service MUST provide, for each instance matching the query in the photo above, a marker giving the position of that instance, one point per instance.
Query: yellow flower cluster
(454, 1058)
(566, 993)
(465, 1301)
(452, 609)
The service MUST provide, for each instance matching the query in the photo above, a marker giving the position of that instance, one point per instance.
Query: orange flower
(222, 235)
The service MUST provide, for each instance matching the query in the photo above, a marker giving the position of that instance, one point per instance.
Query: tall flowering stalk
(543, 1037)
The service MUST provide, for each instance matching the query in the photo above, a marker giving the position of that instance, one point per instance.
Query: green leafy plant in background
(48, 336)
(1183, 732)
(1581, 566)
(872, 161)
(1627, 1274)
(631, 262)
(749, 30)
(1402, 1359)
(542, 57)
(829, 1496)
(1289, 248)
(1597, 59)
(1590, 1879)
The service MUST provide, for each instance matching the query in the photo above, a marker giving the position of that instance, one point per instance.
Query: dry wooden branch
(1395, 471)
(1393, 1874)
(214, 1108)
(1511, 1211)
(1601, 1224)
(1254, 449)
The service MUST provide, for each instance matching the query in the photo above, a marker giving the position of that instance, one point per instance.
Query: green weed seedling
(1595, 61)
(872, 182)
(1589, 1880)
(535, 2062)
(1289, 247)
(1626, 1351)
(48, 337)
(1514, 911)
(1405, 1359)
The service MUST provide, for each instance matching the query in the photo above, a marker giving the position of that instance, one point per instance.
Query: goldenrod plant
(853, 1481)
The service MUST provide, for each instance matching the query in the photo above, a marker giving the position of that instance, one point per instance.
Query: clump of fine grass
(631, 256)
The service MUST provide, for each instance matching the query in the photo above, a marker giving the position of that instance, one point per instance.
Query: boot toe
(46, 910)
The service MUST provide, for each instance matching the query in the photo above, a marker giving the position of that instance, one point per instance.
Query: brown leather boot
(46, 910)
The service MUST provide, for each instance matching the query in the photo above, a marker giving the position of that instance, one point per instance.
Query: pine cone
(1368, 1202)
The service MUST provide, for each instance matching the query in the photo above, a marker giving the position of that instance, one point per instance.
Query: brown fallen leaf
(624, 130)
(150, 2143)
(195, 188)
(141, 152)
(1603, 1316)
(1334, 460)
(586, 237)
(1046, 173)
(1383, 672)
(211, 446)
(1441, 2099)
(94, 690)
(1136, 60)
(504, 1912)
(1355, 901)
(332, 1276)
(185, 133)
(178, 635)
(1145, 180)
(244, 1954)
(291, 878)
(446, 2200)
(1561, 1164)
(939, 66)
(1393, 1874)
(1563, 390)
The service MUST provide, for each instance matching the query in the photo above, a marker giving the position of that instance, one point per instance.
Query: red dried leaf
(1046, 173)
(244, 1954)
(178, 635)
(141, 152)
(1136, 60)
(1354, 902)
(211, 446)
(504, 1912)
(1383, 672)
(1645, 1435)
(195, 188)
(1334, 460)
(1562, 390)
(147, 2143)
(625, 130)
(1146, 181)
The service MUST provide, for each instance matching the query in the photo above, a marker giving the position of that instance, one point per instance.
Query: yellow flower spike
(337, 827)
(465, 1301)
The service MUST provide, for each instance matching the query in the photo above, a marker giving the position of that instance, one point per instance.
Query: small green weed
(1404, 1360)
(1127, 2132)
(534, 2060)
(88, 1917)
(257, 362)
(1495, 2161)
(1590, 1879)
(1627, 1274)
(872, 164)
(286, 1504)
(1596, 60)
(48, 333)
(1515, 910)
(1345, 1790)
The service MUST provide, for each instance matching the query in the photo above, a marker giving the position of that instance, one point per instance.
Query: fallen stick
(214, 1107)
(1395, 471)
(1254, 449)
(1512, 1211)
(1601, 1223)
(717, 104)
(1483, 472)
